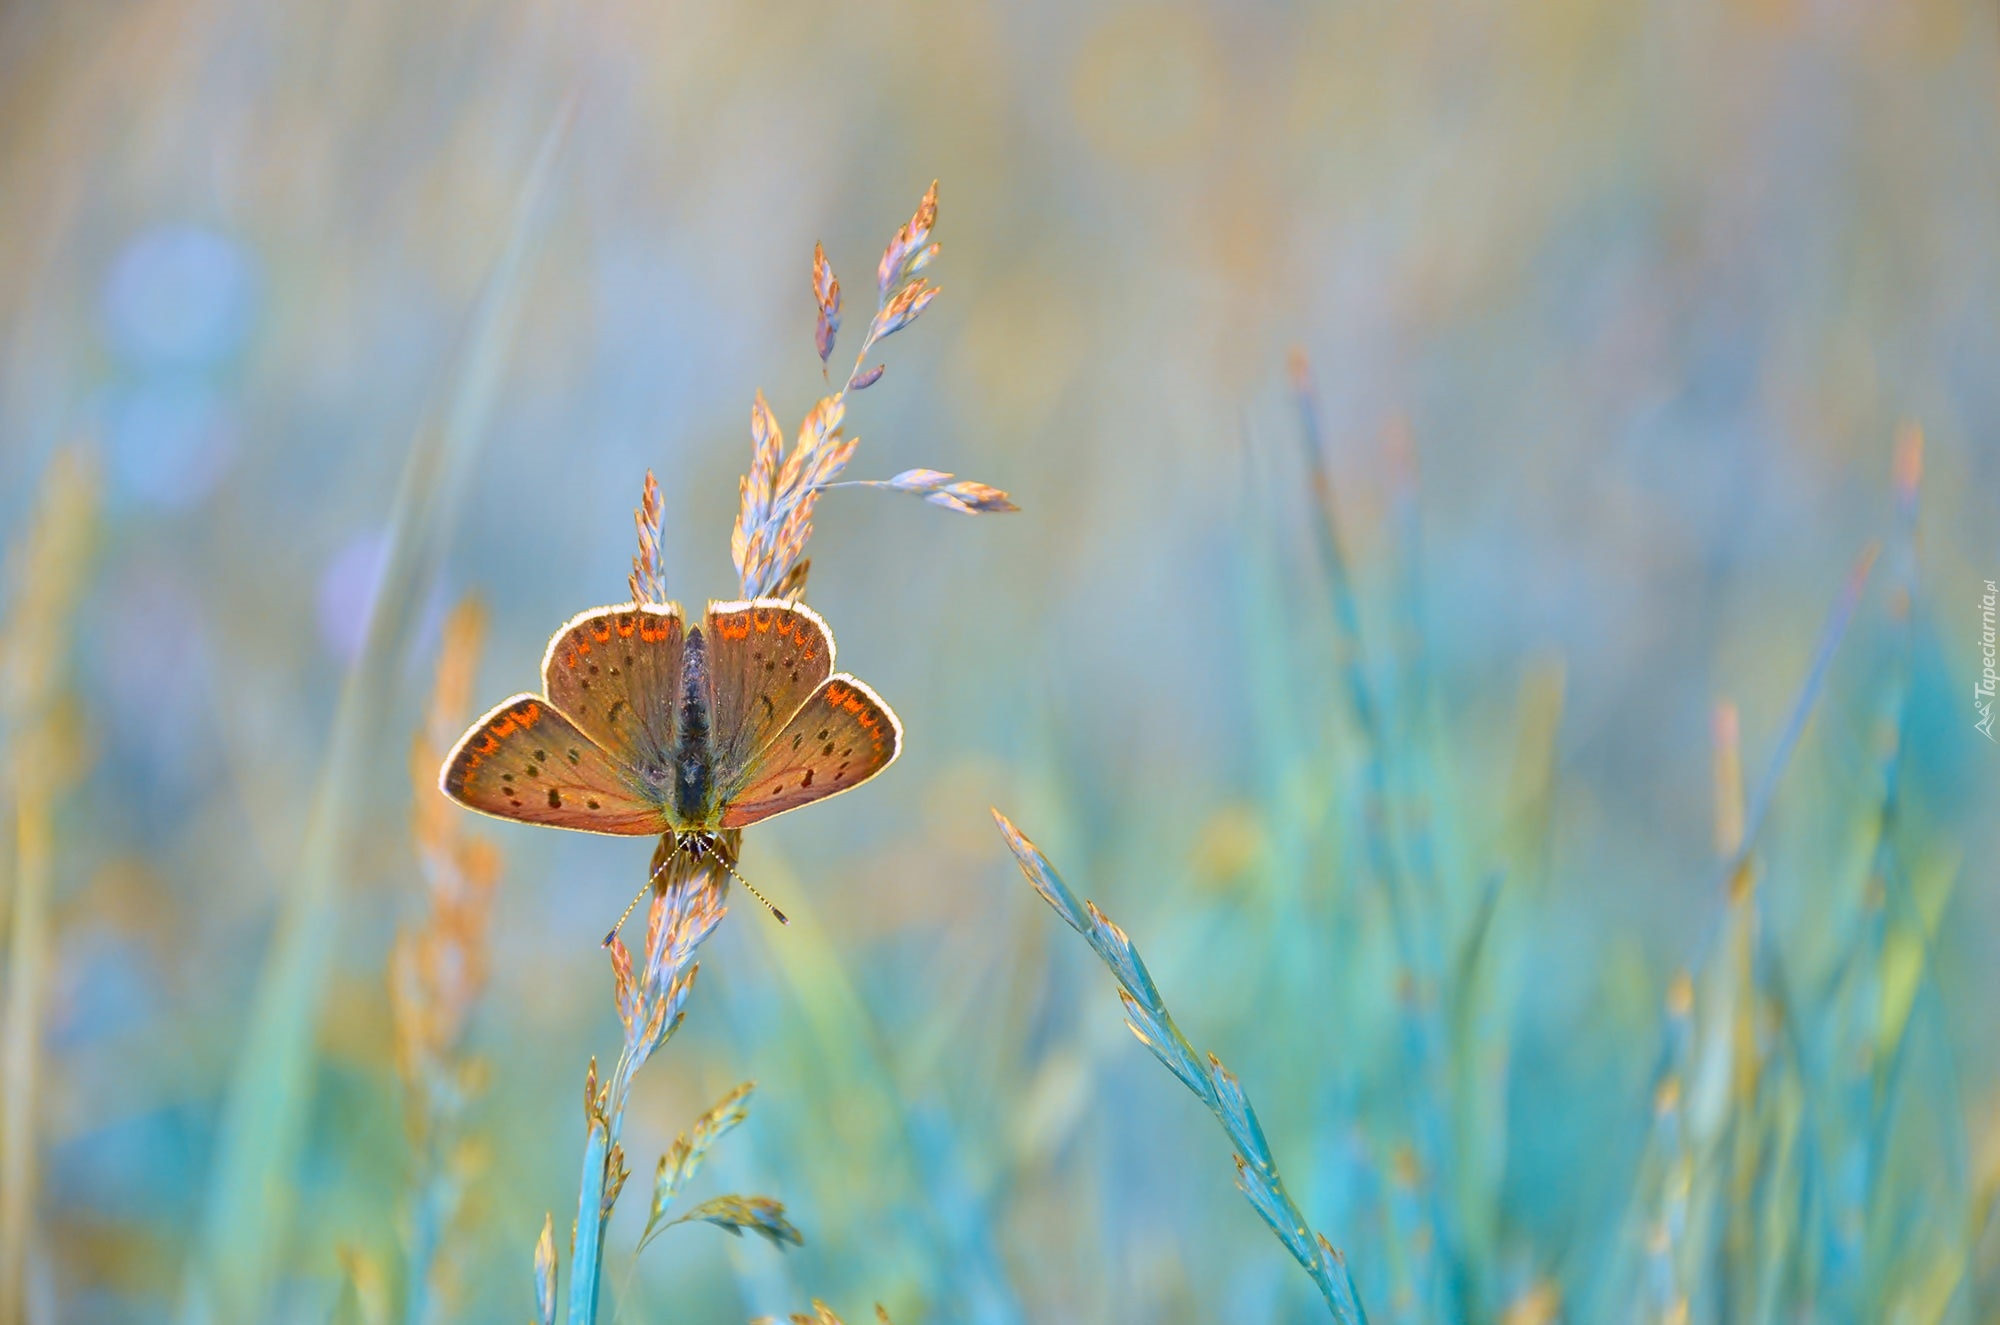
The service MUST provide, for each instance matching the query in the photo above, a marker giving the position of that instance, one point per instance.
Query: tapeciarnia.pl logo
(1982, 689)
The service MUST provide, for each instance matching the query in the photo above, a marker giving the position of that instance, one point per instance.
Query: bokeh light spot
(1146, 89)
(347, 593)
(179, 296)
(168, 443)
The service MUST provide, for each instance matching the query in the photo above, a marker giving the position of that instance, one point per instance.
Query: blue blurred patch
(145, 1166)
(179, 297)
(347, 591)
(169, 441)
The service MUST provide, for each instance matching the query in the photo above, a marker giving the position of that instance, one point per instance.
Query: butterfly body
(648, 726)
(694, 753)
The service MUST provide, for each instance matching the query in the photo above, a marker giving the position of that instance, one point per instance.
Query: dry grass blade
(437, 973)
(47, 579)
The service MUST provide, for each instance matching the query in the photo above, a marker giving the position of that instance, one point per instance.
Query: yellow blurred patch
(1541, 1304)
(1227, 845)
(1147, 90)
(1903, 949)
(1021, 347)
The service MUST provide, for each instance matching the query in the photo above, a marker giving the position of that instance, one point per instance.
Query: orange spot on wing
(625, 627)
(735, 626)
(600, 630)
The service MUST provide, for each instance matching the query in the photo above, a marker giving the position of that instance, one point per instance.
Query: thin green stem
(1213, 1084)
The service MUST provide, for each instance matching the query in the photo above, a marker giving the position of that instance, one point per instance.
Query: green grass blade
(249, 1211)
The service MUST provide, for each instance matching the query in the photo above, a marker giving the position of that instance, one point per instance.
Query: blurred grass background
(1614, 312)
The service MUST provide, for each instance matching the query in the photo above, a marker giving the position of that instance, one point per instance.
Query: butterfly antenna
(751, 888)
(645, 888)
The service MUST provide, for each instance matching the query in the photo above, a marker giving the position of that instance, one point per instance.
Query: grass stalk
(687, 906)
(249, 1208)
(1214, 1085)
(1416, 941)
(774, 522)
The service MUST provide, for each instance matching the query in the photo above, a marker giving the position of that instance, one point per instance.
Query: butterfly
(647, 726)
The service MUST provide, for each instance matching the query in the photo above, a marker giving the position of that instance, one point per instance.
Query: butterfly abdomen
(693, 757)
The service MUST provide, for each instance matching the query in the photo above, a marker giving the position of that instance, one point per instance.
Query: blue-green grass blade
(247, 1220)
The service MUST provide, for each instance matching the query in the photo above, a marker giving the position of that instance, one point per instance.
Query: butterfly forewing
(842, 736)
(766, 657)
(615, 672)
(526, 761)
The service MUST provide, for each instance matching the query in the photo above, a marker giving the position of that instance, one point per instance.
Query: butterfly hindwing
(526, 761)
(616, 673)
(842, 736)
(766, 657)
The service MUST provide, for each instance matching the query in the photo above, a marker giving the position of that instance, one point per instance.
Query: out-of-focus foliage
(1419, 740)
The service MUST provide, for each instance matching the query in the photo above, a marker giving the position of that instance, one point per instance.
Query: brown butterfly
(646, 726)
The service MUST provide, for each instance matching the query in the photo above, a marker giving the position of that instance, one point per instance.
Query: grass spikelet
(1214, 1085)
(940, 489)
(826, 295)
(776, 499)
(437, 974)
(47, 573)
(683, 1159)
(911, 250)
(649, 581)
(738, 1215)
